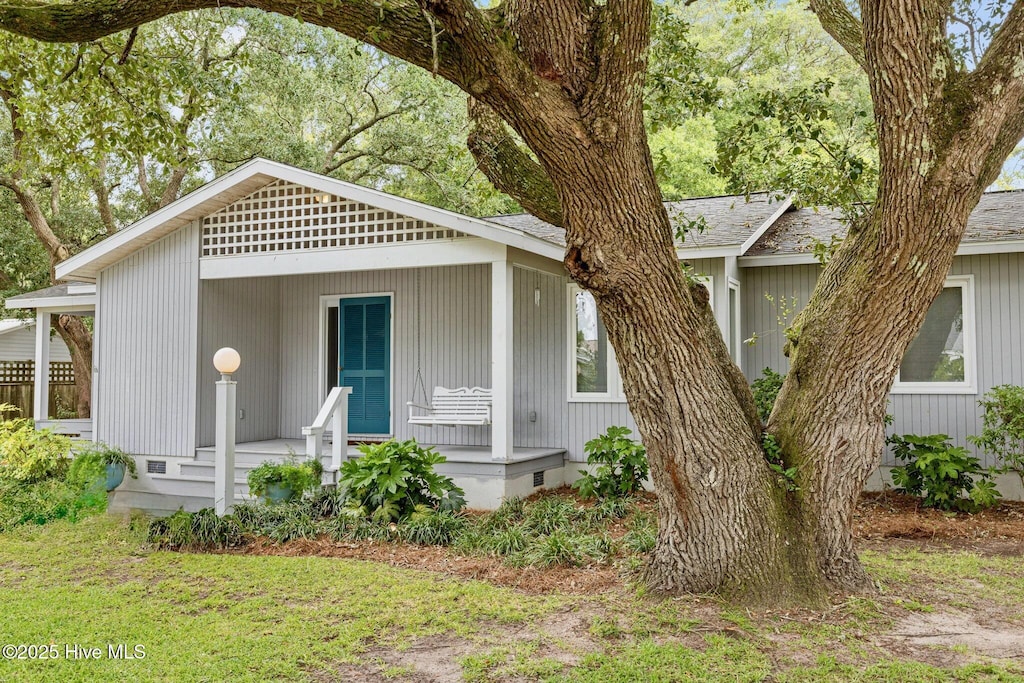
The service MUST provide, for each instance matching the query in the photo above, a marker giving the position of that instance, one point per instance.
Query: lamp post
(226, 360)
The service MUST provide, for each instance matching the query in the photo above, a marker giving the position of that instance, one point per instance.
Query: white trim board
(255, 174)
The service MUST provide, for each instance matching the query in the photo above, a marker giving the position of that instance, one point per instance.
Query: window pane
(937, 354)
(591, 347)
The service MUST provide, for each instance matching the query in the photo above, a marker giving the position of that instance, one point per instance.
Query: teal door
(364, 363)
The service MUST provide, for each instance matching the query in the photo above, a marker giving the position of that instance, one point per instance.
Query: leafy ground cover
(950, 607)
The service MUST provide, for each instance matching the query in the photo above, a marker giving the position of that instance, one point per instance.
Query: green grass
(213, 617)
(219, 617)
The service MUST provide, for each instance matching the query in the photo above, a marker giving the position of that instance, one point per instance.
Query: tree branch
(508, 167)
(840, 23)
(995, 112)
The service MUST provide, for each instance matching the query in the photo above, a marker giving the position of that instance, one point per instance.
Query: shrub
(28, 454)
(47, 500)
(392, 479)
(90, 464)
(941, 473)
(621, 465)
(766, 390)
(291, 474)
(1003, 427)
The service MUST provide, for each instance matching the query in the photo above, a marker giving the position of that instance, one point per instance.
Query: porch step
(205, 471)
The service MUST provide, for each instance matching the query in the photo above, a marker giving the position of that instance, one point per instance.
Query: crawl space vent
(156, 467)
(538, 478)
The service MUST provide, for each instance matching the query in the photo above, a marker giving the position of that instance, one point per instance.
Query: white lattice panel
(287, 217)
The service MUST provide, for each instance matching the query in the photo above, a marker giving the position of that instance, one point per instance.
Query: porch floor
(454, 454)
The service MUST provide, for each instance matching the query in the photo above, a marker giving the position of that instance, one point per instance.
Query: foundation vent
(156, 467)
(538, 478)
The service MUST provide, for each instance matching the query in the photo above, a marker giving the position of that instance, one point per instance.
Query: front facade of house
(317, 282)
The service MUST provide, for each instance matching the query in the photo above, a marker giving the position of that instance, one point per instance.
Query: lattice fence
(287, 217)
(23, 372)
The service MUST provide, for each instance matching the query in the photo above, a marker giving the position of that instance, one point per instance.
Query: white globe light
(226, 360)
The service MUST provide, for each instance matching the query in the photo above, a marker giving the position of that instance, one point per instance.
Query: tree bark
(78, 338)
(943, 135)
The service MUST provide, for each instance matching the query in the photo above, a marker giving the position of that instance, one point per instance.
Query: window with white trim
(593, 371)
(942, 358)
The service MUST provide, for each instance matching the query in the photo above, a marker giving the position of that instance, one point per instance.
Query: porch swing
(447, 407)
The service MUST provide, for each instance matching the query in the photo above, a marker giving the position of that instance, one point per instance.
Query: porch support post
(501, 359)
(224, 451)
(41, 398)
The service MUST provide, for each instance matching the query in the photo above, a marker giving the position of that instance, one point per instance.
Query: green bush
(621, 465)
(50, 499)
(28, 454)
(1003, 427)
(90, 464)
(297, 476)
(392, 479)
(766, 390)
(941, 474)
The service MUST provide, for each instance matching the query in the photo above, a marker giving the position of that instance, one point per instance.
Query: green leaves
(941, 473)
(293, 475)
(1003, 426)
(621, 465)
(394, 479)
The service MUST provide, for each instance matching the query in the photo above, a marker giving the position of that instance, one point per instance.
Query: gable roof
(732, 221)
(995, 225)
(252, 176)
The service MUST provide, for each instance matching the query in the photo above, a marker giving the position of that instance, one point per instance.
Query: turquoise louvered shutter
(365, 362)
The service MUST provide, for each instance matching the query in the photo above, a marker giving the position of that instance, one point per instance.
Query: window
(593, 372)
(941, 360)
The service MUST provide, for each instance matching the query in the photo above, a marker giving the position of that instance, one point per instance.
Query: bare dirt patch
(952, 629)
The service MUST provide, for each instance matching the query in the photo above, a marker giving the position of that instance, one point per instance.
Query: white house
(319, 283)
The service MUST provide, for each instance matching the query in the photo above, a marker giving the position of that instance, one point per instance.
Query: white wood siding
(245, 315)
(540, 358)
(146, 359)
(999, 315)
(20, 344)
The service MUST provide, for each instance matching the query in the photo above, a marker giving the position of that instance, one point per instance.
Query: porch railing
(335, 411)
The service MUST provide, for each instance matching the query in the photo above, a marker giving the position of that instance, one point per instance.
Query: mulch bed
(881, 521)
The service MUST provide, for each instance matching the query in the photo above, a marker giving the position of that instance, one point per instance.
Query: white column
(224, 454)
(501, 359)
(41, 400)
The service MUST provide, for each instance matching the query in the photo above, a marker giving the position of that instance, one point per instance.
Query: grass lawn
(219, 617)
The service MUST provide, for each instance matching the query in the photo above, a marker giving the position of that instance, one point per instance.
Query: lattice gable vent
(284, 216)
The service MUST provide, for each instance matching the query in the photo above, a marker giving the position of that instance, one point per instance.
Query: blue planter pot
(115, 475)
(278, 493)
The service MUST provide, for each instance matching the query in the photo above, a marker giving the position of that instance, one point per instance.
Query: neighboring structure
(17, 369)
(316, 281)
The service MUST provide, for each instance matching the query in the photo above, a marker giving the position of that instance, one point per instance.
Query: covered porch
(73, 298)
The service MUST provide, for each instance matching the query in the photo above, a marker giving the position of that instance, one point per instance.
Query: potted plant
(106, 462)
(277, 482)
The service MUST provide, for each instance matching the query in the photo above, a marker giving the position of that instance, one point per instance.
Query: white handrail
(335, 406)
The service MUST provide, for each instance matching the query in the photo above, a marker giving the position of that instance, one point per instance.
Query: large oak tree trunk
(690, 402)
(78, 339)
